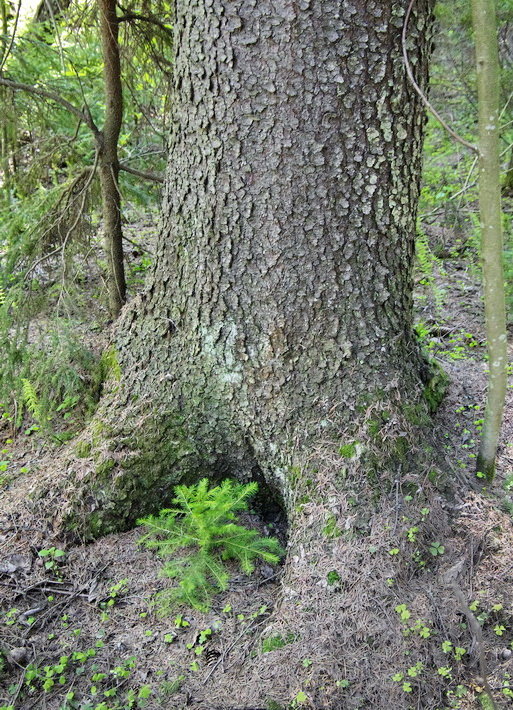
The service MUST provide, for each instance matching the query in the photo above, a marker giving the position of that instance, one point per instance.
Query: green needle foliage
(201, 524)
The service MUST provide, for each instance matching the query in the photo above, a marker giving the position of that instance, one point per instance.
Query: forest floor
(78, 629)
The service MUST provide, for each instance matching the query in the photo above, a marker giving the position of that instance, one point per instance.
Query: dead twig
(13, 37)
(90, 172)
(222, 657)
(419, 91)
(141, 173)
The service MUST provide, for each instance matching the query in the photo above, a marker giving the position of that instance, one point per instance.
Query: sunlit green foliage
(50, 255)
(202, 526)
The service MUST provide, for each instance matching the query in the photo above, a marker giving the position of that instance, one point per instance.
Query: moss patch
(105, 467)
(82, 449)
(347, 451)
(436, 385)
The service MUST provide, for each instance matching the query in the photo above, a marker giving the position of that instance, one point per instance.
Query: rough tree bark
(275, 336)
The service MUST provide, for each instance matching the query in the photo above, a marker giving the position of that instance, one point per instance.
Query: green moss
(434, 476)
(83, 449)
(436, 386)
(401, 449)
(103, 468)
(154, 460)
(373, 427)
(347, 451)
(416, 414)
(106, 368)
(110, 363)
(273, 643)
(331, 529)
(96, 526)
(294, 474)
(333, 577)
(100, 432)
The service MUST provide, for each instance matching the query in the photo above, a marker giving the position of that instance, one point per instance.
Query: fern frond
(30, 399)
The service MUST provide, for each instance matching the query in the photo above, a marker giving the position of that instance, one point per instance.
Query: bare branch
(129, 15)
(140, 173)
(52, 96)
(89, 174)
(8, 51)
(419, 91)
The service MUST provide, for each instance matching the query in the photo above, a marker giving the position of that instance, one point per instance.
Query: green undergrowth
(46, 377)
(74, 662)
(106, 684)
(201, 528)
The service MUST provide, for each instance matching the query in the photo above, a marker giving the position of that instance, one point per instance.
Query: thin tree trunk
(109, 163)
(6, 117)
(487, 58)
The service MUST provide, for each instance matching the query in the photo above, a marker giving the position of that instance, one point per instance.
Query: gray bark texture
(283, 276)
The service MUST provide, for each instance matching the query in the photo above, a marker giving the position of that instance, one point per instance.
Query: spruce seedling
(201, 523)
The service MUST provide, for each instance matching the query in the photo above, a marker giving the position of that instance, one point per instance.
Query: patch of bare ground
(94, 607)
(406, 603)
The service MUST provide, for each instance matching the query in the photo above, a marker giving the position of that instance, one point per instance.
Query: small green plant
(11, 616)
(405, 679)
(198, 645)
(421, 629)
(180, 622)
(411, 533)
(53, 556)
(403, 611)
(331, 529)
(113, 597)
(459, 652)
(415, 670)
(31, 399)
(273, 643)
(203, 523)
(436, 549)
(168, 687)
(300, 699)
(347, 451)
(333, 577)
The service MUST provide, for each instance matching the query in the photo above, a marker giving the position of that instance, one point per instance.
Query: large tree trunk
(281, 302)
(275, 337)
(280, 305)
